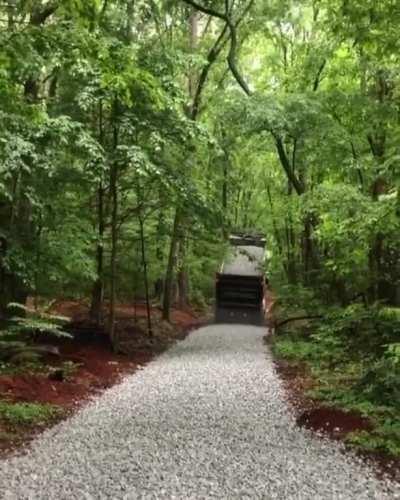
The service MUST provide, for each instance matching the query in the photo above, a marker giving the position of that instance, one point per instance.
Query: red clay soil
(333, 423)
(98, 367)
(78, 311)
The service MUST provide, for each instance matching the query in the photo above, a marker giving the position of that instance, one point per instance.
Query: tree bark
(287, 167)
(183, 278)
(226, 16)
(114, 239)
(98, 287)
(274, 225)
(194, 110)
(169, 276)
(145, 276)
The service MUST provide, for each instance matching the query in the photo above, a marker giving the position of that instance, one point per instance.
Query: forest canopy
(135, 135)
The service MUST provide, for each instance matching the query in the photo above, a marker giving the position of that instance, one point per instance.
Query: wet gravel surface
(207, 419)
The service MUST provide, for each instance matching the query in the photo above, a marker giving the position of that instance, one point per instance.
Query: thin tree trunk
(196, 87)
(274, 224)
(145, 276)
(309, 258)
(98, 287)
(169, 277)
(158, 285)
(114, 243)
(183, 278)
(225, 189)
(226, 221)
(37, 264)
(291, 263)
(378, 286)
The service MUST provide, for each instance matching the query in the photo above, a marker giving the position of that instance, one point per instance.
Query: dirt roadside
(94, 366)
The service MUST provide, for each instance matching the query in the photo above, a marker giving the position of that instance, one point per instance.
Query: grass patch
(28, 413)
(37, 367)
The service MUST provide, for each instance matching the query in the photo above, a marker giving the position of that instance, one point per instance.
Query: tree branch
(233, 36)
(297, 318)
(40, 16)
(318, 78)
(211, 58)
(103, 10)
(206, 10)
(232, 58)
(295, 182)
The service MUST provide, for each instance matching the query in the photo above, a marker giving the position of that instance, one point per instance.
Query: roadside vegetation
(27, 413)
(352, 357)
(135, 135)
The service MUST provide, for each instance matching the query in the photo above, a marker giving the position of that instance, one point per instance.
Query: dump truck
(240, 283)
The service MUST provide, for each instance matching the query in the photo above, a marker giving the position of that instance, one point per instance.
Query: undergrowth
(21, 340)
(353, 356)
(28, 413)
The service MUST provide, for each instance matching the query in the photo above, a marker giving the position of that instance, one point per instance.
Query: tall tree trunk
(38, 257)
(226, 221)
(196, 87)
(309, 251)
(21, 227)
(183, 278)
(114, 240)
(377, 142)
(160, 238)
(290, 251)
(145, 276)
(113, 260)
(275, 229)
(183, 274)
(169, 277)
(98, 287)
(378, 285)
(225, 188)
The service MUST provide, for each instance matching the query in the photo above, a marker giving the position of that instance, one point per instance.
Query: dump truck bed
(244, 260)
(240, 286)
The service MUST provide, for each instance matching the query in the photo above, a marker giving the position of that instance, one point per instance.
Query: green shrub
(295, 349)
(353, 354)
(385, 437)
(381, 382)
(17, 346)
(69, 368)
(34, 323)
(28, 413)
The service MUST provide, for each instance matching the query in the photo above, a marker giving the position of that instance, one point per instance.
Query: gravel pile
(207, 419)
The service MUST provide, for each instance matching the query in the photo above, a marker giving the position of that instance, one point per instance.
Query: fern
(35, 322)
(38, 326)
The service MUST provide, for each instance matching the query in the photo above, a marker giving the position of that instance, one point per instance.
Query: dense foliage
(135, 134)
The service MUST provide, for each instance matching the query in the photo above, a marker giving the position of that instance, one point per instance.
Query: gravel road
(207, 419)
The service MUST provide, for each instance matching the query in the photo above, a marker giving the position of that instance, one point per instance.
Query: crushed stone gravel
(207, 419)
